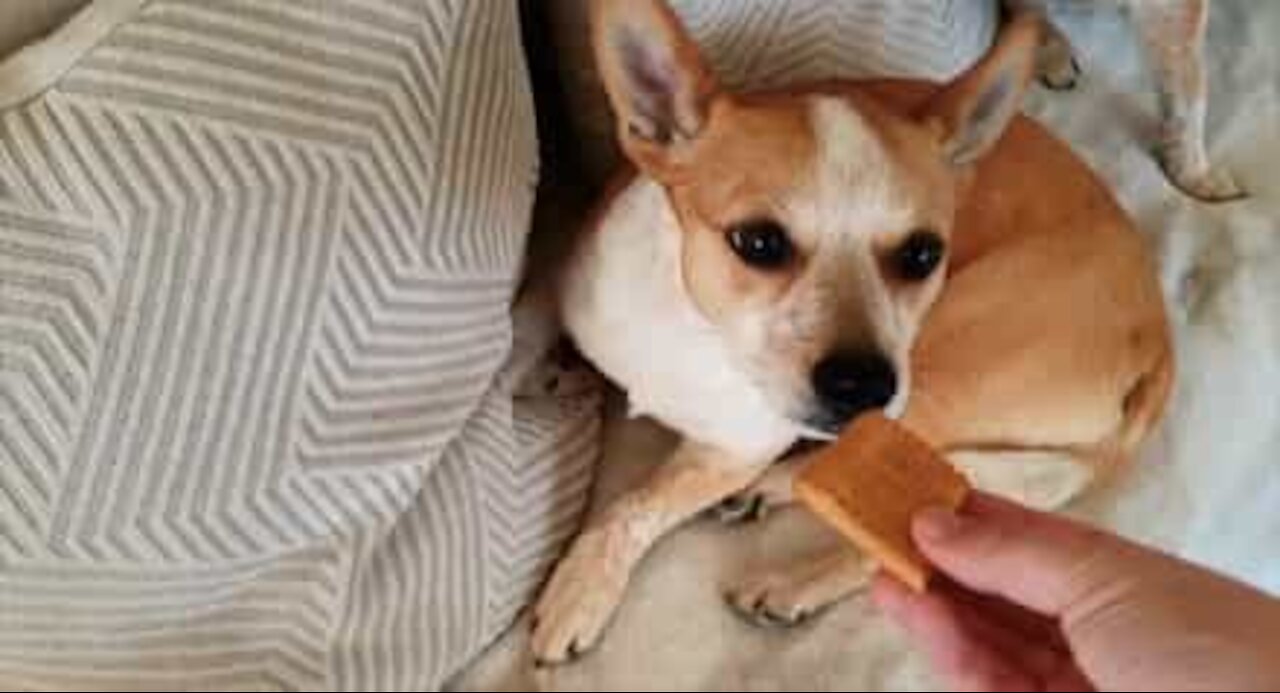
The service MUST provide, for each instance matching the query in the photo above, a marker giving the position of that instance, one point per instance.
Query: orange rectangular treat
(869, 484)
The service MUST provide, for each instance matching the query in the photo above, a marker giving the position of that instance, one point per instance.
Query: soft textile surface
(25, 19)
(1208, 487)
(261, 422)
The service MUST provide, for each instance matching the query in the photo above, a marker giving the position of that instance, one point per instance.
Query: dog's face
(815, 237)
(815, 224)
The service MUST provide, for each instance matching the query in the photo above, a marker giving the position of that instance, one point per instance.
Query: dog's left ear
(659, 85)
(971, 113)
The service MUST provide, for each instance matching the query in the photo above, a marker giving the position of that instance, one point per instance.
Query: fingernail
(937, 525)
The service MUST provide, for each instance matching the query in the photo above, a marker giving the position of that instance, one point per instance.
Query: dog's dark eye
(919, 255)
(762, 244)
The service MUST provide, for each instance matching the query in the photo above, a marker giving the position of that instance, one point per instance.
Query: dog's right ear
(659, 85)
(971, 113)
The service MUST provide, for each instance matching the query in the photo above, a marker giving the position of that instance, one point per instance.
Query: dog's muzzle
(848, 384)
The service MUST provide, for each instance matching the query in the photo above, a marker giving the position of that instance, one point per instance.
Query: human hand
(1030, 601)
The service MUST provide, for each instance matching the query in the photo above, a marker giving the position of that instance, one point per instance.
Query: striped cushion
(261, 422)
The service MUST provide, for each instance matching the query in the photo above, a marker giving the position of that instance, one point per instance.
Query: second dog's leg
(588, 584)
(1057, 68)
(1173, 36)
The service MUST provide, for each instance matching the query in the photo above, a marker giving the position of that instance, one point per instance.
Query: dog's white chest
(625, 306)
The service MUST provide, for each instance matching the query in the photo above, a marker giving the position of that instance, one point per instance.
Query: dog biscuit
(869, 484)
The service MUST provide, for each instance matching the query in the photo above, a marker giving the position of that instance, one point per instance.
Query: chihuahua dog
(778, 263)
(1172, 34)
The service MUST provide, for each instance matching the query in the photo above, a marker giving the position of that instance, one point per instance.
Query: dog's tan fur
(1172, 33)
(1043, 361)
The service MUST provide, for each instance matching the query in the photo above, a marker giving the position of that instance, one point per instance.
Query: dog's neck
(626, 305)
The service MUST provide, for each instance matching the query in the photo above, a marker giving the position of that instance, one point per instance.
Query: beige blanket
(1208, 487)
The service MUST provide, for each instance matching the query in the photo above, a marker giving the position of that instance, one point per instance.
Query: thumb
(1041, 562)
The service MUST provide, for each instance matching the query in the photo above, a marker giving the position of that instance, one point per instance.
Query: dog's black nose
(851, 383)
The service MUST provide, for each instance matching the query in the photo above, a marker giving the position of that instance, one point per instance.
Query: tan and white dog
(1172, 33)
(781, 262)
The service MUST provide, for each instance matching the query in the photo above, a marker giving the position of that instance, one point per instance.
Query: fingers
(1039, 561)
(1023, 625)
(1033, 641)
(965, 661)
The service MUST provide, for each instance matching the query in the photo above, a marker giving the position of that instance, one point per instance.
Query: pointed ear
(971, 113)
(654, 74)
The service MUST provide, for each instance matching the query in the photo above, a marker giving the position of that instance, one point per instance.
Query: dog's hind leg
(1057, 68)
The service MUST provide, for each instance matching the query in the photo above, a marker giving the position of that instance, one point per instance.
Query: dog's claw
(772, 619)
(1214, 186)
(572, 653)
(763, 615)
(1063, 80)
(758, 613)
(578, 601)
(740, 509)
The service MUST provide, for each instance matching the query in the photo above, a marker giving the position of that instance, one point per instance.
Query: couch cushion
(27, 19)
(260, 424)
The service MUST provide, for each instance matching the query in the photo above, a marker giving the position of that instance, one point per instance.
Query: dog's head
(815, 222)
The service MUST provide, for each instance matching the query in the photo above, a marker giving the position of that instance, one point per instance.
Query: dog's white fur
(855, 184)
(626, 299)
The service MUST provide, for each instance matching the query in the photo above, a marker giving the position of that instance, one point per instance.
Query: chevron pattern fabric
(262, 424)
(768, 43)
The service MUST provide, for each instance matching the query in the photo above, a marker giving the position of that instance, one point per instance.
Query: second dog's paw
(1061, 75)
(578, 602)
(791, 596)
(1213, 185)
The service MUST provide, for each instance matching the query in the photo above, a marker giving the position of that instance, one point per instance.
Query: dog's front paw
(771, 491)
(577, 603)
(793, 595)
(1211, 184)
